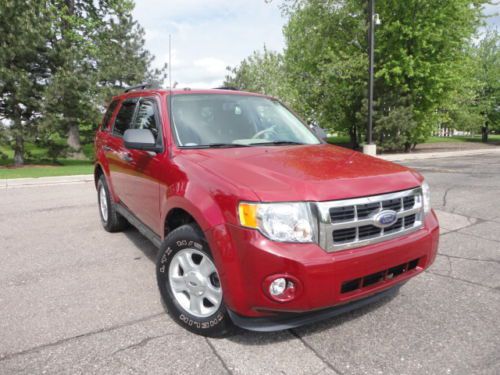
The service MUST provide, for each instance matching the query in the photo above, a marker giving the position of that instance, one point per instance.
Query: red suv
(259, 222)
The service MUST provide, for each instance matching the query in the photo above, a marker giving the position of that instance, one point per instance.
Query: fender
(102, 162)
(207, 213)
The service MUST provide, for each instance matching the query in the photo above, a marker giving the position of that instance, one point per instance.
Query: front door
(141, 186)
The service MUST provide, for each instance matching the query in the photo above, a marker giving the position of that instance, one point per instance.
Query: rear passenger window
(124, 117)
(146, 118)
(107, 116)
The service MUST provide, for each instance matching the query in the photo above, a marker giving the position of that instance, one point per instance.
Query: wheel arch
(98, 172)
(180, 210)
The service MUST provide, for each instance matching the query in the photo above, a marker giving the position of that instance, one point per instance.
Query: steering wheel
(262, 134)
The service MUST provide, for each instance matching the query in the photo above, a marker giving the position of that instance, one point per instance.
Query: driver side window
(146, 117)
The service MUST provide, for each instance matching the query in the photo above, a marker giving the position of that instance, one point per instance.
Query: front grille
(352, 223)
(374, 278)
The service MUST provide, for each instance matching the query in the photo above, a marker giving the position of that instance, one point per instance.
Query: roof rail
(227, 88)
(141, 86)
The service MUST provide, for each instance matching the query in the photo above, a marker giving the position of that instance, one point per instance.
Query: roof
(183, 91)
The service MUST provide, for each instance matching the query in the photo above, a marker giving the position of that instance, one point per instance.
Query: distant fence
(450, 132)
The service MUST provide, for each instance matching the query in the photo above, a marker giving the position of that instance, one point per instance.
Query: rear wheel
(111, 220)
(189, 283)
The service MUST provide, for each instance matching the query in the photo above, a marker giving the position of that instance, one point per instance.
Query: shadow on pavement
(142, 243)
(244, 337)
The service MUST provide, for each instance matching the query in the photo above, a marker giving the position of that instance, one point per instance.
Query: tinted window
(108, 114)
(146, 118)
(124, 117)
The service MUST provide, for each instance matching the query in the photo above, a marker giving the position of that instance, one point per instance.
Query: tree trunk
(19, 151)
(484, 132)
(354, 137)
(74, 138)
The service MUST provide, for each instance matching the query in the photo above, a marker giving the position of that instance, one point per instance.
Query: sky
(209, 35)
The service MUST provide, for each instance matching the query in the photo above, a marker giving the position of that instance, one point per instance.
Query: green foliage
(487, 56)
(395, 131)
(262, 72)
(24, 27)
(422, 58)
(60, 61)
(326, 61)
(423, 68)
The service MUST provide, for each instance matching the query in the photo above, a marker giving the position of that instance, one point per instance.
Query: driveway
(76, 299)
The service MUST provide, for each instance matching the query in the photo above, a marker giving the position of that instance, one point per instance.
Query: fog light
(278, 286)
(282, 287)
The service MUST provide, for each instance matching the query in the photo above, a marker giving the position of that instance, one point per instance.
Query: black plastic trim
(293, 320)
(141, 227)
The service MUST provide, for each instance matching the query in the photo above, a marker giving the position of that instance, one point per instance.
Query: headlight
(283, 222)
(426, 195)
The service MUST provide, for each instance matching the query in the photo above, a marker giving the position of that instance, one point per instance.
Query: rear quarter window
(105, 125)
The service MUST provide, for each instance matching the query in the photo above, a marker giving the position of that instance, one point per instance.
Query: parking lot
(76, 299)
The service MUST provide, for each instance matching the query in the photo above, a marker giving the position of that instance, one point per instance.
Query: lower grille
(374, 278)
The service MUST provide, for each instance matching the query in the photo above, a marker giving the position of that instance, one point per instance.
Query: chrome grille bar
(339, 229)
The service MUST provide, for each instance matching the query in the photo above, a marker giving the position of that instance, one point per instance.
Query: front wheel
(189, 283)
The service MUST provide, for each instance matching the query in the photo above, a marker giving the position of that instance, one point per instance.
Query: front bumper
(245, 258)
(293, 320)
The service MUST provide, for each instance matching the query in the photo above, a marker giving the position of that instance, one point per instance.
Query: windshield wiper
(222, 145)
(276, 143)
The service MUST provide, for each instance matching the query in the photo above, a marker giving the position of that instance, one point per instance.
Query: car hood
(304, 173)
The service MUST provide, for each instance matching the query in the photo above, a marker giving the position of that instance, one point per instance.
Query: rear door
(141, 183)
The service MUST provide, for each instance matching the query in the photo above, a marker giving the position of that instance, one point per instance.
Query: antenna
(170, 61)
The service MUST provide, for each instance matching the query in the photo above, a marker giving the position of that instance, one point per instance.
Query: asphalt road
(76, 299)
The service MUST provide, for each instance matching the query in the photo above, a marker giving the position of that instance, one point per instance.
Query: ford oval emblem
(385, 218)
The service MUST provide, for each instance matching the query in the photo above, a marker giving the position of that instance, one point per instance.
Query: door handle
(107, 148)
(127, 157)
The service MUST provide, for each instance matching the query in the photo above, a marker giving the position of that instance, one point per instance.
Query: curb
(435, 155)
(45, 181)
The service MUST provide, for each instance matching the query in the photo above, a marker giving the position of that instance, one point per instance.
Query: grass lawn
(459, 138)
(494, 138)
(38, 165)
(66, 168)
(339, 140)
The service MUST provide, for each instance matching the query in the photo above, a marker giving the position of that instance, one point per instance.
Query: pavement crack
(224, 364)
(471, 259)
(464, 280)
(139, 344)
(35, 349)
(469, 234)
(445, 196)
(323, 359)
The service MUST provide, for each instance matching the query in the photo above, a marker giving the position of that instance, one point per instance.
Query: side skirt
(141, 227)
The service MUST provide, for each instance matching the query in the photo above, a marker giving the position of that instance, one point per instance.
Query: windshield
(214, 120)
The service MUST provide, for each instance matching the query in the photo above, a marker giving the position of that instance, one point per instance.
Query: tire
(193, 296)
(111, 220)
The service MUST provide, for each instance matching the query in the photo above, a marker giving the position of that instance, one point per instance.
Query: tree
(487, 54)
(98, 51)
(60, 60)
(24, 69)
(262, 72)
(422, 57)
(123, 59)
(420, 50)
(326, 58)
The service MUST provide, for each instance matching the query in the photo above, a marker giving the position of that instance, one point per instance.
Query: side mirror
(320, 132)
(140, 139)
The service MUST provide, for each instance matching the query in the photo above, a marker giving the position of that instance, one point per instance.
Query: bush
(396, 130)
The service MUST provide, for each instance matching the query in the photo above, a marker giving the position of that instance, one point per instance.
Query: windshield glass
(205, 120)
